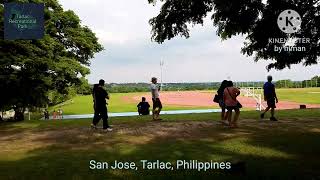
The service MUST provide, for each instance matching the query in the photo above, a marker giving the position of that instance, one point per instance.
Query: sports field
(127, 102)
(288, 149)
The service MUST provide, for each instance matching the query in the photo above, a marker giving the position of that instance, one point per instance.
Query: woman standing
(230, 99)
(221, 100)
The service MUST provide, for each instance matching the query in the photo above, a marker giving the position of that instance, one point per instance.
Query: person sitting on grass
(270, 96)
(230, 95)
(157, 105)
(143, 107)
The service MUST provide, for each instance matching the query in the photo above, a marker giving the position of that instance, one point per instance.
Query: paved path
(127, 114)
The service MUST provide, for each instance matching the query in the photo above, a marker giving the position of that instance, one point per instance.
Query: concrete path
(128, 114)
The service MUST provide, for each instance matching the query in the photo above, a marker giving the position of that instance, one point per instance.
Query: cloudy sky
(130, 55)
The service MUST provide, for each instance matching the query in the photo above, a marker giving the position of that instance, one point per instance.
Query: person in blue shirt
(271, 97)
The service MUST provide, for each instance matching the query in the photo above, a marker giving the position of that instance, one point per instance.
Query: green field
(83, 104)
(301, 95)
(288, 149)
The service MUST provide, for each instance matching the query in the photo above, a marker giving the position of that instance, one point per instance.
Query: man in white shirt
(157, 106)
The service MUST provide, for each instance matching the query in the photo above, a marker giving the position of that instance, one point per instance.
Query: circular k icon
(289, 21)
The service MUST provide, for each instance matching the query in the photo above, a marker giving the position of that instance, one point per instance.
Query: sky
(131, 57)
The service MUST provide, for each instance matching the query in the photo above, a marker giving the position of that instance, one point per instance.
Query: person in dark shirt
(271, 97)
(100, 109)
(46, 114)
(143, 107)
(220, 92)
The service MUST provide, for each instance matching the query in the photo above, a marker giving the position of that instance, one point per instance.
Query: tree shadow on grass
(274, 152)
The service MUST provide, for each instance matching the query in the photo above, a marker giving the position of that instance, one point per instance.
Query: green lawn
(83, 104)
(304, 95)
(300, 95)
(288, 149)
(117, 103)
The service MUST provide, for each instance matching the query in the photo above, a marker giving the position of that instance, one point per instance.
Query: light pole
(285, 83)
(161, 67)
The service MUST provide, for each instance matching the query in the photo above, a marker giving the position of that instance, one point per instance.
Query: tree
(84, 88)
(255, 20)
(30, 69)
(287, 83)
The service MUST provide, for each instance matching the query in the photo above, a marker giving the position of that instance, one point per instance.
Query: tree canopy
(30, 69)
(254, 19)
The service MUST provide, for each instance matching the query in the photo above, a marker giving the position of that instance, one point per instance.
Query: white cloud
(122, 27)
(106, 37)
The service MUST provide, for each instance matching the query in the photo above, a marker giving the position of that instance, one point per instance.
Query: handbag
(216, 98)
(239, 105)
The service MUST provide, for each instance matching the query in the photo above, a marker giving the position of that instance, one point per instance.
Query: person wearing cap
(100, 109)
(157, 105)
(271, 97)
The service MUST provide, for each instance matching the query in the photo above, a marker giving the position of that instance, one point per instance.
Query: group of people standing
(226, 97)
(55, 114)
(100, 97)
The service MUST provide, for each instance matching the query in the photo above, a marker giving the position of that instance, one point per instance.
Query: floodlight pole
(161, 67)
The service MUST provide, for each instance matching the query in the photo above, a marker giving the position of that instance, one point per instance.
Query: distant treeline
(145, 87)
(86, 89)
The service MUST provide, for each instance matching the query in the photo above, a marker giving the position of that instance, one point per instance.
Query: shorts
(157, 103)
(230, 108)
(271, 102)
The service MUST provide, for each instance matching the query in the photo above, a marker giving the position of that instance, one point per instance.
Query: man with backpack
(100, 109)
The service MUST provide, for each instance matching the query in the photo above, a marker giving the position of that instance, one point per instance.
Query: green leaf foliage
(254, 19)
(30, 69)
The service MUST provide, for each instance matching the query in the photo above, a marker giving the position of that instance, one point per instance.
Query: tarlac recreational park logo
(289, 22)
(23, 21)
